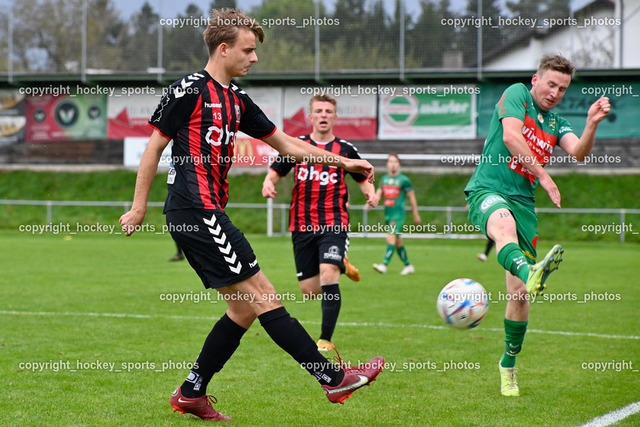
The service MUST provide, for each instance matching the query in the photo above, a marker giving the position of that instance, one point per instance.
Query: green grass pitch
(90, 337)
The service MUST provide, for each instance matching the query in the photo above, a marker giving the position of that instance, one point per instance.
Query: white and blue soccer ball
(463, 303)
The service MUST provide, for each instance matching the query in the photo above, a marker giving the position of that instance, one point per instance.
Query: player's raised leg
(539, 272)
(351, 271)
(501, 228)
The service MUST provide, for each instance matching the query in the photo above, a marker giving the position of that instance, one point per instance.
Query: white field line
(614, 416)
(356, 324)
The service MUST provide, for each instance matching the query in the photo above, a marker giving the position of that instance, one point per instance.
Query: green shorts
(482, 203)
(395, 222)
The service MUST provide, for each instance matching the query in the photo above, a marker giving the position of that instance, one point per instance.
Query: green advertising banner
(431, 112)
(64, 117)
(622, 121)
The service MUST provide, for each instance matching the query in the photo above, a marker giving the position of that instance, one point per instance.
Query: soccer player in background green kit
(522, 135)
(396, 187)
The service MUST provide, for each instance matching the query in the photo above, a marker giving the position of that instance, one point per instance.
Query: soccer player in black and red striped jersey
(318, 218)
(202, 113)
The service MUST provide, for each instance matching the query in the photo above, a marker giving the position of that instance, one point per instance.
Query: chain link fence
(88, 37)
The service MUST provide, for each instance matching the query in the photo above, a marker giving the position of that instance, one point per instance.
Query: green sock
(388, 254)
(514, 261)
(513, 338)
(403, 255)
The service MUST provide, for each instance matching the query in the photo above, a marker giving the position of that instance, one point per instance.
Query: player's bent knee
(310, 287)
(329, 273)
(241, 313)
(310, 295)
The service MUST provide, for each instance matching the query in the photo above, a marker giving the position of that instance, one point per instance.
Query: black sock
(331, 301)
(289, 334)
(221, 343)
(490, 244)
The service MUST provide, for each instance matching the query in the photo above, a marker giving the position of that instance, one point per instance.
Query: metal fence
(621, 228)
(84, 37)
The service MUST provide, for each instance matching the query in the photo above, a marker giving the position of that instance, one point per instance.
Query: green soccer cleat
(539, 272)
(508, 381)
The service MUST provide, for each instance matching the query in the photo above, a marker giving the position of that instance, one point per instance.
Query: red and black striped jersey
(319, 197)
(202, 117)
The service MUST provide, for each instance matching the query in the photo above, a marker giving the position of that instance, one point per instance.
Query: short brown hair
(396, 156)
(224, 25)
(322, 98)
(557, 63)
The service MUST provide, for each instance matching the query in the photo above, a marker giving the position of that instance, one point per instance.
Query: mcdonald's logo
(243, 151)
(244, 148)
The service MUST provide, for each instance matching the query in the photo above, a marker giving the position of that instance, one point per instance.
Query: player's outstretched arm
(517, 146)
(581, 147)
(303, 152)
(146, 172)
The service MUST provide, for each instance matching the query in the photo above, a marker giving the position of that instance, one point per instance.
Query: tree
(492, 36)
(48, 35)
(429, 38)
(106, 32)
(183, 46)
(351, 15)
(289, 34)
(141, 48)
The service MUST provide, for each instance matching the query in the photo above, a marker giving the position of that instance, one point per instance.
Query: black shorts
(214, 247)
(310, 249)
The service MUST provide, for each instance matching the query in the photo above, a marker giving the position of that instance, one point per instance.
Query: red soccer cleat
(354, 378)
(200, 406)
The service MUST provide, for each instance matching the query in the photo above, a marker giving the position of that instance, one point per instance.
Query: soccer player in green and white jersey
(522, 135)
(396, 188)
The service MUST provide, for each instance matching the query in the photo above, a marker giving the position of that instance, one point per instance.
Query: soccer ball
(462, 303)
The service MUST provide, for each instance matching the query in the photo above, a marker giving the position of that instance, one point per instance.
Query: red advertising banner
(128, 115)
(356, 120)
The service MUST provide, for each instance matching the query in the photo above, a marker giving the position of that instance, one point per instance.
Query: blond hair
(322, 98)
